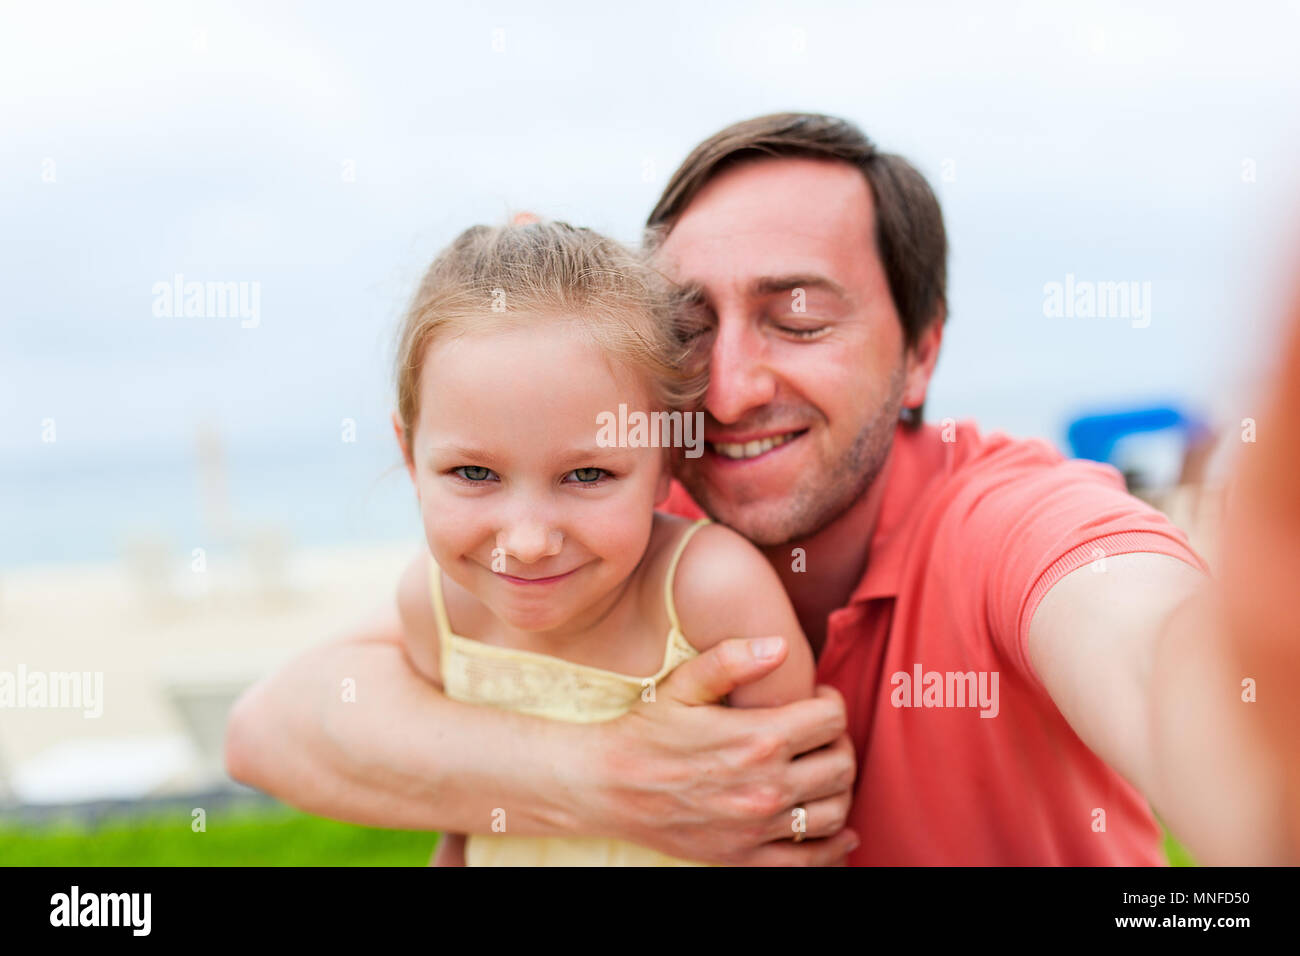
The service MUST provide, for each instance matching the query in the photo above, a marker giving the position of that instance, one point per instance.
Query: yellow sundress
(547, 686)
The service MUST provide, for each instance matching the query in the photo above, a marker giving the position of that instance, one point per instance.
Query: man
(1017, 655)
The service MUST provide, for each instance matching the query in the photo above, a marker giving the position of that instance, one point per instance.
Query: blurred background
(194, 488)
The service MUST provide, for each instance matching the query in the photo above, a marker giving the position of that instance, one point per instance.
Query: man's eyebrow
(767, 285)
(692, 293)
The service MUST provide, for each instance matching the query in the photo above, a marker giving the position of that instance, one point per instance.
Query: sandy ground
(174, 647)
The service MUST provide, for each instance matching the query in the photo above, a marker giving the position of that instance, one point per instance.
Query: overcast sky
(326, 151)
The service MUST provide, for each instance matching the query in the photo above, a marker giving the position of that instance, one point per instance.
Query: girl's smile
(536, 582)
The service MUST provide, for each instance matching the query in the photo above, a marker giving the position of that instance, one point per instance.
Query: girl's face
(521, 506)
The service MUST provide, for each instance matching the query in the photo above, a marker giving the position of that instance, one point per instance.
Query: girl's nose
(529, 541)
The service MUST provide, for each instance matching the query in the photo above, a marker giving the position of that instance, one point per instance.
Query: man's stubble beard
(818, 502)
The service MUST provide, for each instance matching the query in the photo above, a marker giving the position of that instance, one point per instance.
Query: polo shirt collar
(916, 459)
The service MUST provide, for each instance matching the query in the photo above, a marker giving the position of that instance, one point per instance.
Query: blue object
(1094, 436)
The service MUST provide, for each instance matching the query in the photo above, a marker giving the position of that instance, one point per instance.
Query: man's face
(807, 359)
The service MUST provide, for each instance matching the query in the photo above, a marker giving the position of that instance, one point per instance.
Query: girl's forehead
(545, 349)
(525, 372)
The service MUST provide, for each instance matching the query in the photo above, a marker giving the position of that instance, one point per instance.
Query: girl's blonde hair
(494, 276)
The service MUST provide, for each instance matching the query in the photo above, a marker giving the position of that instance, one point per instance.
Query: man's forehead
(773, 217)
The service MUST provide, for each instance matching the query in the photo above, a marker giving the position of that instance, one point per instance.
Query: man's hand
(1261, 570)
(705, 782)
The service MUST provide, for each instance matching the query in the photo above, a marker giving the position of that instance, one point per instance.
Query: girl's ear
(402, 443)
(665, 486)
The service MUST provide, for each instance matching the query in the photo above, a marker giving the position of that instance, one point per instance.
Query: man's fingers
(827, 692)
(821, 819)
(806, 725)
(828, 772)
(829, 852)
(724, 667)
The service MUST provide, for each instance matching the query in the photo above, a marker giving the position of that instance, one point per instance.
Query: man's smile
(742, 448)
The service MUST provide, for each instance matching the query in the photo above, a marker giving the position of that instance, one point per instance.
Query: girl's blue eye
(589, 475)
(473, 473)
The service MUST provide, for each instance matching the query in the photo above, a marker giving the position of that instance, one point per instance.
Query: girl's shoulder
(724, 588)
(721, 579)
(669, 536)
(419, 619)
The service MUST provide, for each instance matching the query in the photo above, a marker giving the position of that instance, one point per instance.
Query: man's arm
(1149, 660)
(1137, 660)
(403, 755)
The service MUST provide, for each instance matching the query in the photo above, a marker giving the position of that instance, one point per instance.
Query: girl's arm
(725, 587)
(421, 643)
(419, 627)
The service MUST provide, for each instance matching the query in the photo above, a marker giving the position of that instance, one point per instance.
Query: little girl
(551, 585)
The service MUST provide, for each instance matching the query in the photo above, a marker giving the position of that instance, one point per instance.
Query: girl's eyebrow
(578, 454)
(592, 453)
(463, 451)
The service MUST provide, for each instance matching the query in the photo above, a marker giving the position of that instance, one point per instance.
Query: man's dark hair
(909, 231)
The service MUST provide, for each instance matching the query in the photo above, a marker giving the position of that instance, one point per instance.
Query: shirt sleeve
(1018, 530)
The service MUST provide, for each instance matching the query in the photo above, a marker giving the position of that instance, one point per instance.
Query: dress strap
(672, 572)
(439, 608)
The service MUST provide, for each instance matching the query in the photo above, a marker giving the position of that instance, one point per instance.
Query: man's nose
(739, 377)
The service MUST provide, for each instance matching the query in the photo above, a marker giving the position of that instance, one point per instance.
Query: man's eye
(802, 333)
(589, 476)
(691, 331)
(473, 473)
(692, 323)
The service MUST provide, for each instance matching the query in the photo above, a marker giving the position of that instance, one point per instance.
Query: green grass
(232, 838)
(247, 837)
(1177, 853)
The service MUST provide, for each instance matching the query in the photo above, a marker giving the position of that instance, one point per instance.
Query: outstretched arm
(1136, 660)
(1187, 686)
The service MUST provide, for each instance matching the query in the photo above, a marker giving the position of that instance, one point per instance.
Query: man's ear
(402, 443)
(920, 364)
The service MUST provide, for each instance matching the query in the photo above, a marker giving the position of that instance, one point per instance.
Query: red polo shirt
(963, 758)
